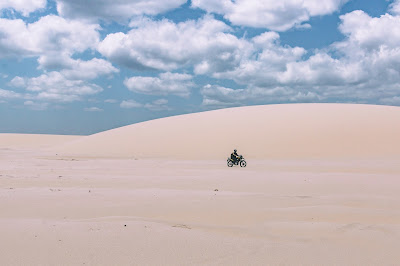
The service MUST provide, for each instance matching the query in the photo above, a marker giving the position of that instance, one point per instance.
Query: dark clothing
(234, 156)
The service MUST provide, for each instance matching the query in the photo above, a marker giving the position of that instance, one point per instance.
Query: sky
(84, 66)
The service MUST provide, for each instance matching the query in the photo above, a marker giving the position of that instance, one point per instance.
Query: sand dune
(321, 188)
(271, 131)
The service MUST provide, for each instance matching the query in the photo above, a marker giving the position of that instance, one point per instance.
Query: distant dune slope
(270, 131)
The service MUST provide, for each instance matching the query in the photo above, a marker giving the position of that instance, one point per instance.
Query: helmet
(235, 150)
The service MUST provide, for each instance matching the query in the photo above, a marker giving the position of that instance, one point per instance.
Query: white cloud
(368, 64)
(130, 104)
(321, 70)
(17, 82)
(51, 35)
(55, 87)
(166, 83)
(218, 96)
(93, 109)
(118, 10)
(365, 67)
(67, 85)
(395, 7)
(12, 33)
(87, 70)
(55, 61)
(267, 59)
(275, 15)
(368, 33)
(76, 68)
(7, 94)
(165, 45)
(24, 6)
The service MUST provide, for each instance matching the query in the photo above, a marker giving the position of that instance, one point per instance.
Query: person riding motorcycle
(234, 156)
(236, 159)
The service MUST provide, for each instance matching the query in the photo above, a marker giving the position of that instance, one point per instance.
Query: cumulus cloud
(368, 33)
(77, 68)
(368, 65)
(395, 7)
(166, 83)
(7, 94)
(17, 82)
(275, 15)
(55, 87)
(117, 10)
(49, 35)
(363, 68)
(54, 40)
(68, 85)
(321, 70)
(164, 45)
(55, 61)
(267, 59)
(87, 70)
(219, 96)
(29, 99)
(24, 6)
(370, 57)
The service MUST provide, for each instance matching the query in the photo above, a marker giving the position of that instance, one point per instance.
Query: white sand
(294, 210)
(32, 141)
(271, 131)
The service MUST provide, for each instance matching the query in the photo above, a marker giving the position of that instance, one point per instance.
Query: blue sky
(84, 66)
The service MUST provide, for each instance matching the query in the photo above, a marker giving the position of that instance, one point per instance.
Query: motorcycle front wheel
(243, 163)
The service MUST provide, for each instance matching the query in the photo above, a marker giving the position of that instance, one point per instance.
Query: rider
(234, 156)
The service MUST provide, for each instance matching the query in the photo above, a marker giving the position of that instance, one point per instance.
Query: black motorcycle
(241, 161)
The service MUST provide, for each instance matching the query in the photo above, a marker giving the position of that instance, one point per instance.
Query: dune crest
(269, 131)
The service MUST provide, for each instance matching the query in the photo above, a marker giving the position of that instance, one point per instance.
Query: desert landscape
(321, 187)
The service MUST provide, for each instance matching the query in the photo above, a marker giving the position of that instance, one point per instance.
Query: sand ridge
(259, 132)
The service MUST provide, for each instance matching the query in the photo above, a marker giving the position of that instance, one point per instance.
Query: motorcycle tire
(243, 163)
(229, 163)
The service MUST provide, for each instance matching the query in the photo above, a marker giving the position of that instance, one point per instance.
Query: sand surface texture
(334, 200)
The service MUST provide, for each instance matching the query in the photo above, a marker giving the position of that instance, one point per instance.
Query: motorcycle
(241, 161)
